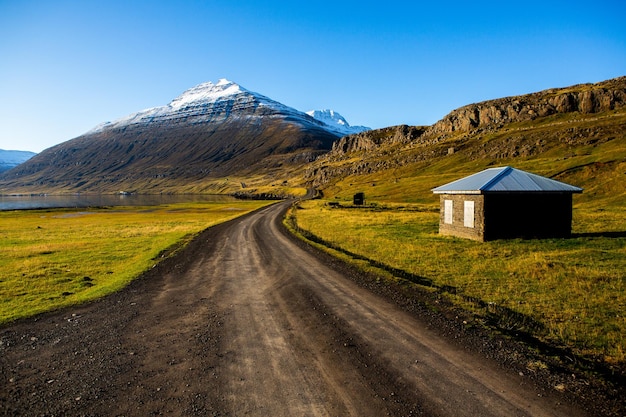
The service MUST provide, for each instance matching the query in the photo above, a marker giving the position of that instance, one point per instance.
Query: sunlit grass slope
(568, 292)
(596, 163)
(55, 258)
(572, 290)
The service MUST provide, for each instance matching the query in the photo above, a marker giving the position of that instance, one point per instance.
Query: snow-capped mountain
(11, 159)
(336, 122)
(213, 130)
(210, 102)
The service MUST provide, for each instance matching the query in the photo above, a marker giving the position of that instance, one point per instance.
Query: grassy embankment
(572, 291)
(55, 258)
(568, 292)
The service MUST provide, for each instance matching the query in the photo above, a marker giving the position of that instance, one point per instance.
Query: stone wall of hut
(462, 215)
(506, 215)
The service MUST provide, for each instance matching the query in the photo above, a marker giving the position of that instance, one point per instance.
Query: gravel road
(246, 321)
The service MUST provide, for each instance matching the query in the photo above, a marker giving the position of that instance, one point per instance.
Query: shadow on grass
(600, 234)
(503, 318)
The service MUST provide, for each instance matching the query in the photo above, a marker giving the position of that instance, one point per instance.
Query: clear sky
(66, 66)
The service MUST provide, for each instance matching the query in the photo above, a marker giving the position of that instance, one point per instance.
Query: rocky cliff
(366, 141)
(520, 126)
(584, 98)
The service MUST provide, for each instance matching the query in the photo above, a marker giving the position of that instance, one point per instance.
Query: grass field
(568, 292)
(55, 258)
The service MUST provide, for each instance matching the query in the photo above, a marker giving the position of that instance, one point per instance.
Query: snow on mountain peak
(330, 116)
(197, 101)
(208, 92)
(336, 122)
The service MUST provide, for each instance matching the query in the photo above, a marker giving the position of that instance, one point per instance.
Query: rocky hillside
(218, 133)
(512, 127)
(584, 99)
(370, 140)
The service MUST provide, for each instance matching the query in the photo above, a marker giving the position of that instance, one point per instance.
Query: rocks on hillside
(588, 98)
(457, 131)
(369, 140)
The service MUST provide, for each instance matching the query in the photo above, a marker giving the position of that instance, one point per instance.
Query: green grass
(573, 291)
(55, 258)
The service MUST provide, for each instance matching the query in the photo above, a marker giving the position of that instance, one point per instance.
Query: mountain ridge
(210, 131)
(582, 98)
(336, 122)
(11, 158)
(213, 132)
(219, 94)
(494, 130)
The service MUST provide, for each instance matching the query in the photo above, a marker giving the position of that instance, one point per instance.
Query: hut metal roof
(505, 179)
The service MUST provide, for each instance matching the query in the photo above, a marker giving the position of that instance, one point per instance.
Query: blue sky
(66, 66)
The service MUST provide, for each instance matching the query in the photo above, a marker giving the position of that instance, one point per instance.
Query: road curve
(246, 322)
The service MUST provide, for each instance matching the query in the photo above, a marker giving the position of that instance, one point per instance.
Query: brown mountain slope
(191, 144)
(196, 139)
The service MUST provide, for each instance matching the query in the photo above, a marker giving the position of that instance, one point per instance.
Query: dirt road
(246, 322)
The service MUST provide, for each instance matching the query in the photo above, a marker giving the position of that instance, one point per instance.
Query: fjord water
(24, 202)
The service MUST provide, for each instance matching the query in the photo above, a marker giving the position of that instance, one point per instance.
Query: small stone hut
(505, 203)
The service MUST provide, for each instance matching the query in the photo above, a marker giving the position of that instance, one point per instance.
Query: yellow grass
(572, 290)
(54, 258)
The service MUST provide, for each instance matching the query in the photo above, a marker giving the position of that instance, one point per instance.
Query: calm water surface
(64, 201)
